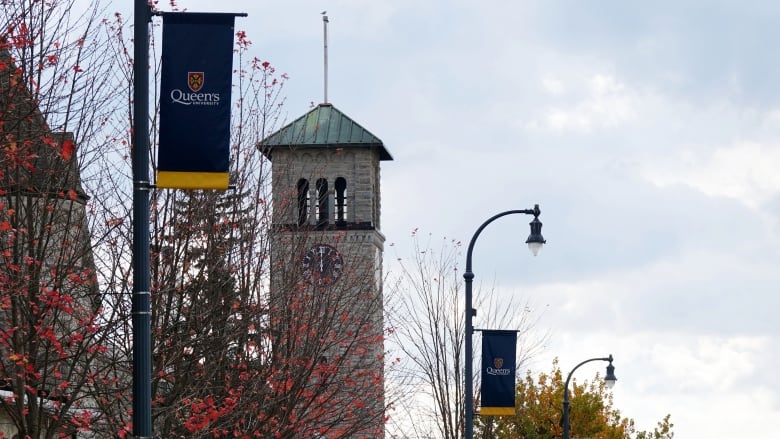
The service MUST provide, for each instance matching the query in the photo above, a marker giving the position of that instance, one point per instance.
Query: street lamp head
(535, 239)
(610, 379)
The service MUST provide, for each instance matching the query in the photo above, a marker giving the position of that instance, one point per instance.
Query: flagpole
(141, 306)
(325, 50)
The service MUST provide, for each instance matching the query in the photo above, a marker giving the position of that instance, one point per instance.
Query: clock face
(322, 264)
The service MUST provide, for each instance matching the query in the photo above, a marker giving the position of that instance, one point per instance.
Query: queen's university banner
(498, 373)
(197, 64)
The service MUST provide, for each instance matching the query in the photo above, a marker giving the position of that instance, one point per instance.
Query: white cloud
(553, 86)
(606, 103)
(745, 171)
(719, 362)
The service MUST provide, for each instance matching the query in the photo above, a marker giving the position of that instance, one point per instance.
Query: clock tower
(326, 247)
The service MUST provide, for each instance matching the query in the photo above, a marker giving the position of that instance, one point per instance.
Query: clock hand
(321, 257)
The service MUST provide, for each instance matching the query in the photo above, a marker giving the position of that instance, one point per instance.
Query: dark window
(322, 201)
(303, 201)
(341, 199)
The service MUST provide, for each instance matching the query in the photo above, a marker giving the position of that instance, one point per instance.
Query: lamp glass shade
(535, 239)
(535, 247)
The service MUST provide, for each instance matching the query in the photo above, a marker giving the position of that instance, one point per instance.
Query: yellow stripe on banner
(497, 411)
(192, 180)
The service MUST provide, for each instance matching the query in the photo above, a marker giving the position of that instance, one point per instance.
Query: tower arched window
(322, 201)
(303, 201)
(341, 200)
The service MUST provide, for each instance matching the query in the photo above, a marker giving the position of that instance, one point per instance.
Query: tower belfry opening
(341, 201)
(303, 201)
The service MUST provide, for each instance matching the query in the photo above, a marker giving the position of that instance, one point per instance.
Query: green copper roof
(325, 126)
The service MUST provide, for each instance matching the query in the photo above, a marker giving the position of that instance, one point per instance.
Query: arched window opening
(322, 201)
(341, 200)
(303, 201)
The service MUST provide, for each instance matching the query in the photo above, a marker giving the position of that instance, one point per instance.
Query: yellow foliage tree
(539, 407)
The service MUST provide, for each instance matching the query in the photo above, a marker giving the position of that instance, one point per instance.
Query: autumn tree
(65, 222)
(326, 382)
(426, 312)
(662, 430)
(56, 349)
(66, 281)
(539, 409)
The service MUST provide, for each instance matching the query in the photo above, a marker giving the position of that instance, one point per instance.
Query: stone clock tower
(326, 272)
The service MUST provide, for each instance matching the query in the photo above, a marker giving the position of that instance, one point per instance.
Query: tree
(326, 382)
(56, 349)
(539, 410)
(662, 431)
(426, 318)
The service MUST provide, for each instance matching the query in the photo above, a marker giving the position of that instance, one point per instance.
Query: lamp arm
(535, 211)
(568, 378)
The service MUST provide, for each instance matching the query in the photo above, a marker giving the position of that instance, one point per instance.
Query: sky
(648, 133)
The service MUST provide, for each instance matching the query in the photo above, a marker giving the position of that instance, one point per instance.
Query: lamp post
(535, 242)
(609, 378)
(141, 299)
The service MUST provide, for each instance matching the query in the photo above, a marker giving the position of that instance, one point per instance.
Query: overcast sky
(649, 133)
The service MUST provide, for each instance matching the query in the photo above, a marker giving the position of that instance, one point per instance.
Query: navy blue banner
(499, 349)
(197, 66)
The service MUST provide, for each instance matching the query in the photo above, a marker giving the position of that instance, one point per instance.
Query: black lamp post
(535, 242)
(141, 299)
(609, 378)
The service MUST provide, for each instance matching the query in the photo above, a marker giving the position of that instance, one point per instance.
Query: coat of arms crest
(195, 80)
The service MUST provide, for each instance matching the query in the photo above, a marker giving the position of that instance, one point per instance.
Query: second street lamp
(609, 379)
(535, 242)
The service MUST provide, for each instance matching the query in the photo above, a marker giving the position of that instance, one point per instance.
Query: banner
(498, 373)
(197, 65)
